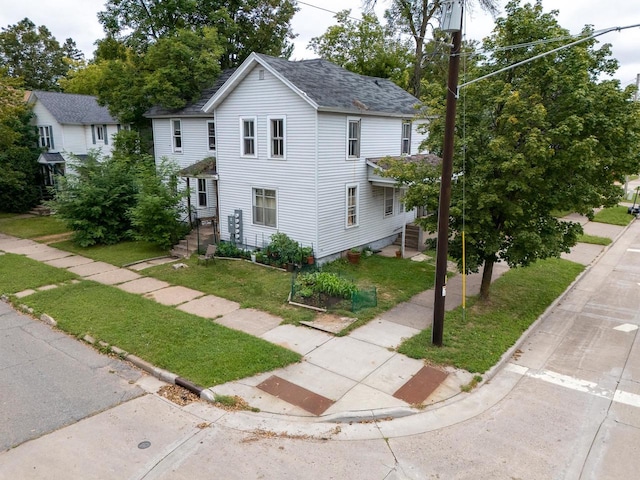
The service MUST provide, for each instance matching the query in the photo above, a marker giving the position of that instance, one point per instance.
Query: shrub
(229, 250)
(282, 249)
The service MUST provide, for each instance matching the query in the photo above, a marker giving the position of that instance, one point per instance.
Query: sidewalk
(339, 378)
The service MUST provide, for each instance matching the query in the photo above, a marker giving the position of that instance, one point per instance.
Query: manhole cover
(143, 445)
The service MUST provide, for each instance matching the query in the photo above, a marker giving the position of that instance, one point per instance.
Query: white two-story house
(69, 124)
(296, 147)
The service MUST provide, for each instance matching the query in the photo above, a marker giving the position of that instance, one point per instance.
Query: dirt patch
(58, 237)
(330, 323)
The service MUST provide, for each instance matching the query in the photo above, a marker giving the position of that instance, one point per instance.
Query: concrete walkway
(339, 378)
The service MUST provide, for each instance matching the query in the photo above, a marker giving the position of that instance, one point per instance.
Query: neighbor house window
(99, 134)
(352, 205)
(264, 207)
(406, 137)
(248, 136)
(389, 200)
(276, 137)
(46, 137)
(353, 138)
(211, 134)
(176, 126)
(202, 192)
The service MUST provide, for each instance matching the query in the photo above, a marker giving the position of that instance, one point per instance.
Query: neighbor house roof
(192, 109)
(71, 108)
(327, 87)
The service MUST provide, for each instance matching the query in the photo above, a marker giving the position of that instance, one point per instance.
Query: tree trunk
(487, 273)
(417, 68)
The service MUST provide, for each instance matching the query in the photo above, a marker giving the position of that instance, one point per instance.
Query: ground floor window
(352, 205)
(202, 192)
(389, 201)
(264, 207)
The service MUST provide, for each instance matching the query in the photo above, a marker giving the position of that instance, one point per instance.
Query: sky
(78, 19)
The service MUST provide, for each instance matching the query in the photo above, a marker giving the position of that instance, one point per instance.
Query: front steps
(189, 245)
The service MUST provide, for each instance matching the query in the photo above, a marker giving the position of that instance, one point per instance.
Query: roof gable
(327, 87)
(71, 108)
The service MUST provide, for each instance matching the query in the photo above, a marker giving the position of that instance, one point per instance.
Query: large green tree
(244, 26)
(19, 179)
(365, 47)
(544, 136)
(412, 17)
(34, 55)
(172, 72)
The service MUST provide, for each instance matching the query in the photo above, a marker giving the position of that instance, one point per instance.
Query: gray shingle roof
(334, 88)
(71, 108)
(195, 108)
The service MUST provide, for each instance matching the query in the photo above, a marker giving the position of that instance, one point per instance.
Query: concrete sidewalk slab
(362, 397)
(14, 245)
(576, 218)
(583, 253)
(92, 268)
(48, 253)
(69, 261)
(151, 263)
(209, 306)
(259, 399)
(602, 229)
(248, 320)
(143, 285)
(349, 357)
(299, 339)
(384, 333)
(393, 374)
(410, 315)
(173, 295)
(113, 277)
(317, 379)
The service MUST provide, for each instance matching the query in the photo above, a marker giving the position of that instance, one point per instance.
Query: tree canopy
(545, 136)
(365, 47)
(244, 26)
(34, 55)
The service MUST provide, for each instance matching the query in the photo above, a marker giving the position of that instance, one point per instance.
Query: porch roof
(377, 165)
(49, 158)
(203, 169)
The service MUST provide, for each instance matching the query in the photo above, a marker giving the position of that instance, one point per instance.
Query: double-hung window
(352, 206)
(353, 138)
(264, 207)
(248, 136)
(46, 137)
(277, 137)
(406, 137)
(202, 192)
(389, 201)
(100, 133)
(176, 127)
(211, 135)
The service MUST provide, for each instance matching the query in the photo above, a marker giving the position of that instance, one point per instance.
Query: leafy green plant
(282, 249)
(325, 282)
(229, 250)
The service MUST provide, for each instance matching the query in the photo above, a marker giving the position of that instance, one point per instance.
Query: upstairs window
(211, 135)
(248, 136)
(406, 138)
(276, 137)
(46, 137)
(353, 138)
(176, 126)
(99, 134)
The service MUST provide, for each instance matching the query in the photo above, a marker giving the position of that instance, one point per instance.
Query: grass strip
(614, 216)
(120, 254)
(476, 339)
(190, 346)
(18, 273)
(594, 239)
(32, 227)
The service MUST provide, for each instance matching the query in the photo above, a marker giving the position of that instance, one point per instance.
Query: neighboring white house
(296, 147)
(69, 124)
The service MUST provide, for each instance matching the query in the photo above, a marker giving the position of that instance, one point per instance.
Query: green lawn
(475, 339)
(615, 216)
(120, 254)
(190, 346)
(18, 273)
(32, 227)
(594, 239)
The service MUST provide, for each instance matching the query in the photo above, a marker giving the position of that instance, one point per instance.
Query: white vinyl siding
(211, 135)
(265, 207)
(277, 137)
(352, 205)
(406, 138)
(389, 201)
(353, 138)
(248, 136)
(176, 126)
